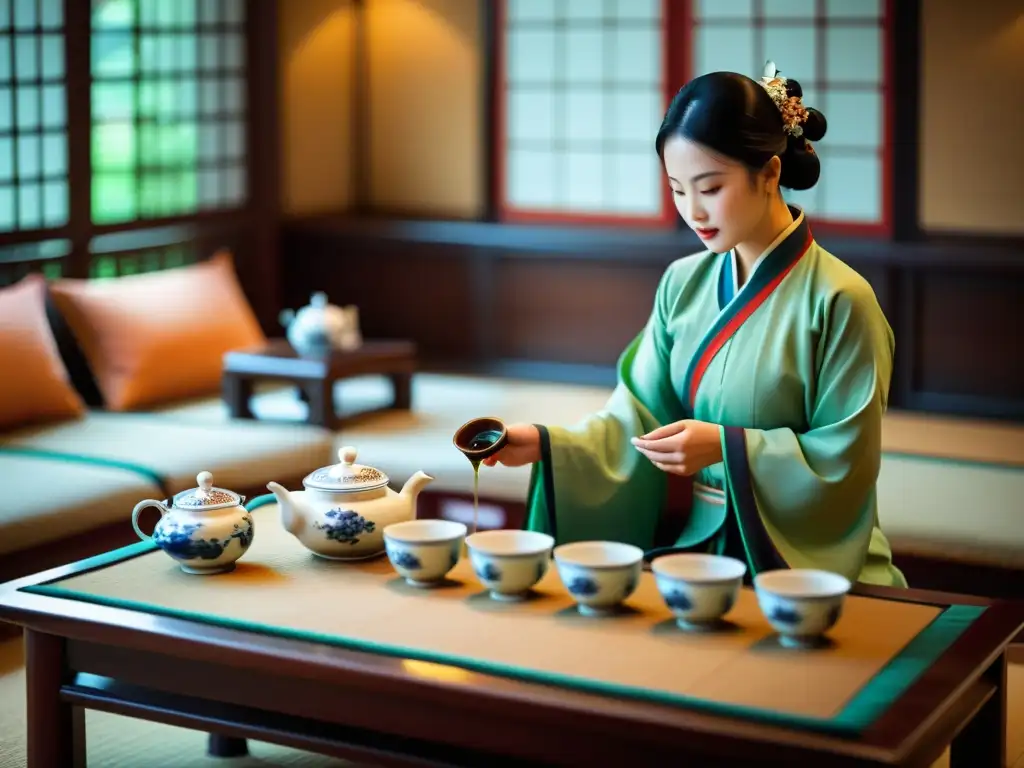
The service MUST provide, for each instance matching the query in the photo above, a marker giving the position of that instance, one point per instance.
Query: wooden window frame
(146, 120)
(884, 227)
(675, 14)
(678, 44)
(21, 84)
(261, 121)
(252, 231)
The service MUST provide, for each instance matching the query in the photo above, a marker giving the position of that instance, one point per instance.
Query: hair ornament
(794, 113)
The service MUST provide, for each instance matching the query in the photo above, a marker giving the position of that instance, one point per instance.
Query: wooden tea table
(315, 376)
(347, 660)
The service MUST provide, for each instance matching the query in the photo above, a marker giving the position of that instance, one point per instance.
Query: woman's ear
(771, 173)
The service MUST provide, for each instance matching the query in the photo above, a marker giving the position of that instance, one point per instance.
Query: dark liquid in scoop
(484, 439)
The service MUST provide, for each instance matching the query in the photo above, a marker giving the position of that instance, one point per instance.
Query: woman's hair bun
(800, 165)
(815, 125)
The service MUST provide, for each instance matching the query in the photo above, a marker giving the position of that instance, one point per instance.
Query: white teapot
(206, 529)
(320, 327)
(342, 513)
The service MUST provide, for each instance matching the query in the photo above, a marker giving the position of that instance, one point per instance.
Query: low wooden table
(91, 645)
(315, 376)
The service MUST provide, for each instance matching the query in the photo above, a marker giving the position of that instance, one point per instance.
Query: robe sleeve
(591, 483)
(807, 499)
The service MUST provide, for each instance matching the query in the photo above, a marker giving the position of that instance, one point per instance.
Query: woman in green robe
(747, 416)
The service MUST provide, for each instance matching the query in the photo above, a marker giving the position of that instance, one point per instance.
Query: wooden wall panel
(553, 309)
(423, 292)
(967, 328)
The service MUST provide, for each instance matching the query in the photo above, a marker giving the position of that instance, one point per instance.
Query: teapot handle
(144, 505)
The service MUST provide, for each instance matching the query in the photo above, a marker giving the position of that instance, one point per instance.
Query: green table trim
(877, 695)
(96, 461)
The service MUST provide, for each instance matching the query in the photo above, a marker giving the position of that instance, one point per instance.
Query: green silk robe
(795, 366)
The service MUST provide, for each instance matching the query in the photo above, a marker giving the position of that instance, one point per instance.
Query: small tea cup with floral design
(699, 589)
(599, 575)
(423, 552)
(509, 562)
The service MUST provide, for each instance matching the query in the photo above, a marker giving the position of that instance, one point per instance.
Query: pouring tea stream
(478, 439)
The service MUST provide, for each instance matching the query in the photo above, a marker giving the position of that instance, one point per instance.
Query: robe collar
(778, 256)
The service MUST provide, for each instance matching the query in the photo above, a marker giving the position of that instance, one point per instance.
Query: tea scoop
(481, 437)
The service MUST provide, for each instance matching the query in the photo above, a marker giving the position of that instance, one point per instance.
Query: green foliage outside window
(167, 111)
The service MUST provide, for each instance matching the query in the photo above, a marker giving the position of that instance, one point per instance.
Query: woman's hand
(523, 447)
(683, 447)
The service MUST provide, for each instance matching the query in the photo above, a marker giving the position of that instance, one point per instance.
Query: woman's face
(717, 197)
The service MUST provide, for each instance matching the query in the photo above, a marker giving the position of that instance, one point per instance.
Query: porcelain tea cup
(698, 588)
(599, 574)
(801, 604)
(509, 562)
(423, 552)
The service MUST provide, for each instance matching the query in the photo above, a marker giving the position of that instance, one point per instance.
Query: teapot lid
(206, 496)
(346, 475)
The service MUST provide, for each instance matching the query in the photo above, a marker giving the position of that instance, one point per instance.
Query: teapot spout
(413, 486)
(293, 512)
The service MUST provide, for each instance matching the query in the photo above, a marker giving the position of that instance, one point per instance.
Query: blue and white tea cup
(599, 575)
(801, 604)
(699, 589)
(423, 552)
(509, 562)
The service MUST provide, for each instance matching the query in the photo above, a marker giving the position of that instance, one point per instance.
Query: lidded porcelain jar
(206, 529)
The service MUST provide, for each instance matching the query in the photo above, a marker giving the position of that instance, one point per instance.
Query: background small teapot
(320, 327)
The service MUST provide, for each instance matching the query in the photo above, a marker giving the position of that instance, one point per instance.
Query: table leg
(320, 396)
(56, 730)
(402, 383)
(982, 742)
(237, 391)
(226, 746)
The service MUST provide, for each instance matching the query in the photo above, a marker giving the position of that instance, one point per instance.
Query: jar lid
(346, 475)
(206, 496)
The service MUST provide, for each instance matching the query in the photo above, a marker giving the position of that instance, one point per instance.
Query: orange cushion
(159, 337)
(34, 385)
